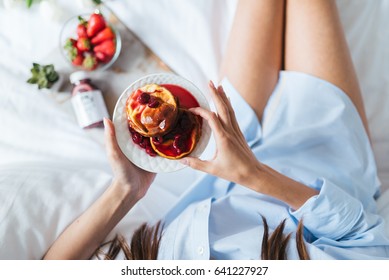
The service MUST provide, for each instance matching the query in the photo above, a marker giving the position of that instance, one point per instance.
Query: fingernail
(105, 122)
(184, 161)
(211, 84)
(107, 128)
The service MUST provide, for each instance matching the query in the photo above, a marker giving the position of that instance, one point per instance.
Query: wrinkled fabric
(312, 133)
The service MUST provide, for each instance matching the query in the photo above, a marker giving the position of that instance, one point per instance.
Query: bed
(51, 170)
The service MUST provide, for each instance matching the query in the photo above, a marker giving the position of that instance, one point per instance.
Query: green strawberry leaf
(89, 62)
(82, 21)
(68, 44)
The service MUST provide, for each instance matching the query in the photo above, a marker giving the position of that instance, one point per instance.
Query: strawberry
(78, 60)
(74, 54)
(89, 62)
(81, 28)
(71, 49)
(102, 57)
(83, 44)
(107, 47)
(96, 23)
(103, 35)
(70, 42)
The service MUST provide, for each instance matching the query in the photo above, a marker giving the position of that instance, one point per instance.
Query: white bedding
(50, 170)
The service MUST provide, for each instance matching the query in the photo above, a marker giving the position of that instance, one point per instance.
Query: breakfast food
(160, 122)
(181, 140)
(94, 45)
(152, 110)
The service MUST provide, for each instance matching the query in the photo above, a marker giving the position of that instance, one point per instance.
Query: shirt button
(200, 250)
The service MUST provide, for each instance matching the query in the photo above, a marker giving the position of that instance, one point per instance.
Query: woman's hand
(126, 174)
(89, 230)
(233, 160)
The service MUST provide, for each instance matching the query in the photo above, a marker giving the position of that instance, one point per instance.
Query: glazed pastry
(152, 110)
(181, 140)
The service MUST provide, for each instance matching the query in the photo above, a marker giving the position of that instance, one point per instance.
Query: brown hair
(274, 247)
(146, 239)
(144, 244)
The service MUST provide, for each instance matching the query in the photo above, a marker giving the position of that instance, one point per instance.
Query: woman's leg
(253, 57)
(315, 44)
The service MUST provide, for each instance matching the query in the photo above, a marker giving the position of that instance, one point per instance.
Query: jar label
(89, 107)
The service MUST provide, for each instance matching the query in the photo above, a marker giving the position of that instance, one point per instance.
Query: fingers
(225, 110)
(233, 120)
(220, 104)
(223, 96)
(226, 101)
(109, 132)
(113, 150)
(196, 163)
(211, 118)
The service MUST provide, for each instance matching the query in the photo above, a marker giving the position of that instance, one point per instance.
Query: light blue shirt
(312, 133)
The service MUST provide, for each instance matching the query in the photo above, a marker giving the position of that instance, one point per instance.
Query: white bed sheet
(50, 170)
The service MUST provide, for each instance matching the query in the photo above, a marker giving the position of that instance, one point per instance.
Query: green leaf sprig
(28, 3)
(43, 75)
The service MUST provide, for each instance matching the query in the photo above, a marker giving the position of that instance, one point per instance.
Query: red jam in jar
(87, 100)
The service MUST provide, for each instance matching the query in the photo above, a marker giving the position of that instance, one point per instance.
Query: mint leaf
(36, 66)
(42, 83)
(32, 80)
(52, 77)
(43, 75)
(28, 3)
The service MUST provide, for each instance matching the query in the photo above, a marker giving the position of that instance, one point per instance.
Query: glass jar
(87, 100)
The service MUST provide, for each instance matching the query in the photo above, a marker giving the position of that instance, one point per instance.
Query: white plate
(136, 154)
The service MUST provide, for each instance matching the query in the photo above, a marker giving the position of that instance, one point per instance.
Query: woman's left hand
(126, 174)
(233, 160)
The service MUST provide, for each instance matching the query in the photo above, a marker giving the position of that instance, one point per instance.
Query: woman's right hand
(126, 174)
(233, 160)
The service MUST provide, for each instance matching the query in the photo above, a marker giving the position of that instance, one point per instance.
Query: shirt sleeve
(336, 215)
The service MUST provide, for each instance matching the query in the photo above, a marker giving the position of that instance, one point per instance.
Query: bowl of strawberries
(89, 42)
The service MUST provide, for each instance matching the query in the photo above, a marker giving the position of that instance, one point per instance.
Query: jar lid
(78, 76)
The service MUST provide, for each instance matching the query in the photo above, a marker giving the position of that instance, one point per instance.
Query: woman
(300, 153)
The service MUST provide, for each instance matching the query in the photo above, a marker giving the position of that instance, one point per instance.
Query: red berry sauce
(186, 99)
